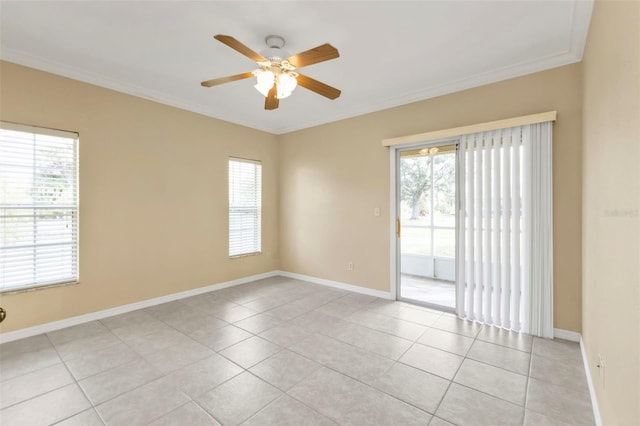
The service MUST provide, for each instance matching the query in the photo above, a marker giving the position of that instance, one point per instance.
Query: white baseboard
(569, 335)
(592, 391)
(574, 336)
(337, 284)
(68, 322)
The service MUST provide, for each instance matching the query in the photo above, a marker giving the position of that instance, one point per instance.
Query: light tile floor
(285, 352)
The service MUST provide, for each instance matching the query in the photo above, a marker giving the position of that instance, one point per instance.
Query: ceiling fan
(276, 77)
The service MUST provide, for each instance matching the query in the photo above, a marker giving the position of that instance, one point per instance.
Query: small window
(38, 207)
(245, 207)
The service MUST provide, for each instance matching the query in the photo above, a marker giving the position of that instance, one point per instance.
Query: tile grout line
(509, 371)
(77, 383)
(64, 364)
(526, 389)
(413, 344)
(281, 349)
(143, 358)
(454, 376)
(163, 375)
(466, 356)
(358, 380)
(283, 391)
(438, 329)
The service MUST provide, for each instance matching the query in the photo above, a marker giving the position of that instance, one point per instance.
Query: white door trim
(393, 217)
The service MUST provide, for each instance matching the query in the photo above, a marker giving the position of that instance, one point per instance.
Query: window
(38, 207)
(428, 201)
(245, 205)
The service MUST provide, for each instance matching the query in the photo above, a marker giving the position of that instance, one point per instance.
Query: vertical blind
(505, 273)
(245, 207)
(38, 207)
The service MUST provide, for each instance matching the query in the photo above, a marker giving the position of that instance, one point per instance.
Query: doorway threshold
(428, 292)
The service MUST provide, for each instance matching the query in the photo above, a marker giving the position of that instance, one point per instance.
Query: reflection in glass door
(427, 213)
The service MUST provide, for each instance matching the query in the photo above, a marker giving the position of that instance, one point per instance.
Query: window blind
(505, 246)
(245, 206)
(38, 207)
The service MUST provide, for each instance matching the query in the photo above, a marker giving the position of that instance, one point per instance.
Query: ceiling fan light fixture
(286, 84)
(265, 81)
(281, 94)
(275, 78)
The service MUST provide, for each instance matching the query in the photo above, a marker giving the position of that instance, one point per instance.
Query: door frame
(394, 203)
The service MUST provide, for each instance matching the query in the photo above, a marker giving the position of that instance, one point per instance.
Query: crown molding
(89, 77)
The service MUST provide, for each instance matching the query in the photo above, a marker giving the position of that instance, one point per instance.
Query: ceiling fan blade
(318, 87)
(228, 79)
(271, 102)
(321, 53)
(239, 47)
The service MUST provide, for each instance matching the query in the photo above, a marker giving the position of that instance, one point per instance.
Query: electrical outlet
(376, 211)
(350, 266)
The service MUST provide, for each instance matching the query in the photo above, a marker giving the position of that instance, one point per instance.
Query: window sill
(238, 256)
(37, 287)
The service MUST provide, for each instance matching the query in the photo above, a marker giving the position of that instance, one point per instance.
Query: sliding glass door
(426, 208)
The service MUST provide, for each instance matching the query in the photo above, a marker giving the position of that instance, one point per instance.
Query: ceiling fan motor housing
(274, 51)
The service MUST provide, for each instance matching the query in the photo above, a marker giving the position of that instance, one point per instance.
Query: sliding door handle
(398, 226)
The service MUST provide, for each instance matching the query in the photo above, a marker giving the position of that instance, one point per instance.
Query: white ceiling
(391, 52)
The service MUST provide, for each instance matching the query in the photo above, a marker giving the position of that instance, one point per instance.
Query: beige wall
(611, 206)
(153, 189)
(153, 195)
(333, 176)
